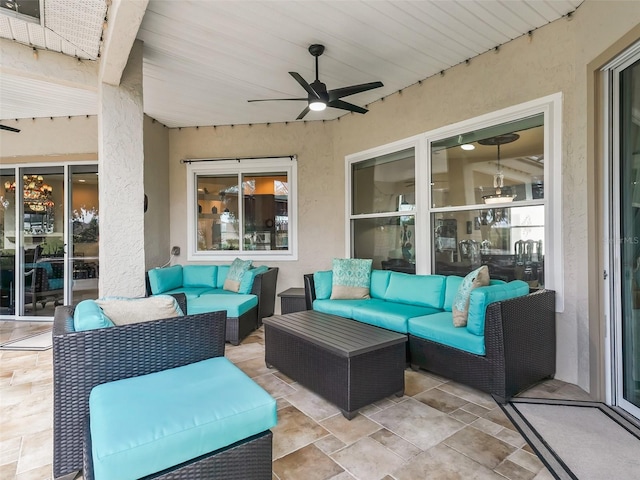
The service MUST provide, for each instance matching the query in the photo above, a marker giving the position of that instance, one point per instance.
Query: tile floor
(437, 430)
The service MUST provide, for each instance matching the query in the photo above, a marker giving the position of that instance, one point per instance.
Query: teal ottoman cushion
(234, 303)
(146, 424)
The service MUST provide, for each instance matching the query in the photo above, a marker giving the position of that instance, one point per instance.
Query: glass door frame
(612, 219)
(67, 237)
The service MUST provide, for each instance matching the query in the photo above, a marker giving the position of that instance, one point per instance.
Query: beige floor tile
(8, 470)
(37, 451)
(253, 367)
(420, 424)
(282, 377)
(513, 471)
(293, 431)
(308, 463)
(350, 431)
(311, 404)
(38, 473)
(526, 460)
(511, 437)
(469, 394)
(479, 446)
(496, 415)
(347, 476)
(416, 382)
(244, 352)
(9, 449)
(440, 400)
(276, 387)
(396, 444)
(330, 444)
(487, 426)
(442, 462)
(367, 459)
(463, 416)
(544, 474)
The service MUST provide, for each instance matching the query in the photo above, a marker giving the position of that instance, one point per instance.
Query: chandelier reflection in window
(36, 193)
(498, 178)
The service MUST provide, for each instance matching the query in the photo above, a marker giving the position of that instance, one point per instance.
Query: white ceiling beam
(124, 19)
(47, 66)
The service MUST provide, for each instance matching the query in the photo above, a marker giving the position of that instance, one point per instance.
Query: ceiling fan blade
(303, 113)
(353, 89)
(16, 130)
(304, 84)
(279, 99)
(346, 106)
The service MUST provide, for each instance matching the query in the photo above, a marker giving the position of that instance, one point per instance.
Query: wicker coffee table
(350, 364)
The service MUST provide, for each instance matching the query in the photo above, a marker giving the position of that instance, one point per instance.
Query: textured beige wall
(320, 201)
(156, 187)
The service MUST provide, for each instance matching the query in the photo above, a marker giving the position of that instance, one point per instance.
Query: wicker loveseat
(82, 360)
(508, 346)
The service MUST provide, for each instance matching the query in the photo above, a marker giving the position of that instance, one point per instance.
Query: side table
(292, 300)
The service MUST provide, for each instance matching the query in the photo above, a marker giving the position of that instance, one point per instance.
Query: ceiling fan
(10, 129)
(319, 97)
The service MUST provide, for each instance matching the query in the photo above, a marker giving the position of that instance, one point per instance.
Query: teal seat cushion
(423, 290)
(88, 316)
(235, 304)
(145, 424)
(392, 316)
(323, 282)
(189, 292)
(246, 284)
(56, 283)
(199, 276)
(342, 308)
(481, 297)
(439, 328)
(379, 282)
(223, 270)
(162, 280)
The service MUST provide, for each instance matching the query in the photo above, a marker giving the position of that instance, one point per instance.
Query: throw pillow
(236, 272)
(88, 316)
(123, 311)
(351, 278)
(478, 278)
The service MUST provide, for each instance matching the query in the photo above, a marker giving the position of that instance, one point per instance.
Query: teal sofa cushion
(223, 270)
(379, 283)
(189, 292)
(146, 424)
(162, 280)
(56, 283)
(235, 304)
(481, 297)
(477, 278)
(246, 284)
(423, 290)
(323, 282)
(351, 278)
(342, 308)
(392, 316)
(451, 288)
(439, 328)
(199, 276)
(88, 316)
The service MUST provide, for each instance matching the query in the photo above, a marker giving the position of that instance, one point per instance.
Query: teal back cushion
(481, 297)
(423, 290)
(246, 284)
(323, 282)
(199, 276)
(379, 282)
(89, 316)
(223, 270)
(453, 284)
(165, 279)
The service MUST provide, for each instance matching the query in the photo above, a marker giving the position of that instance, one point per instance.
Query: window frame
(551, 108)
(242, 167)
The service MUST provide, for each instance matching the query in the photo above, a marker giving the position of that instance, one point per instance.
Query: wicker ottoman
(351, 364)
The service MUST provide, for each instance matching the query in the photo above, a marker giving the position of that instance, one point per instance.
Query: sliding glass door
(48, 238)
(625, 153)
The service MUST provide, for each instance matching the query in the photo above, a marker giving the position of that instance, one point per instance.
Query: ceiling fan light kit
(318, 97)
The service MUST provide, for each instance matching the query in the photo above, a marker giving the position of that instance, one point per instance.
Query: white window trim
(551, 107)
(246, 166)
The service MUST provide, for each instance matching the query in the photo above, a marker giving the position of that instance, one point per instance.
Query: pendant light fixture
(498, 178)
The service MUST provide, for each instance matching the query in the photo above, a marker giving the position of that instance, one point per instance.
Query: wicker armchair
(82, 360)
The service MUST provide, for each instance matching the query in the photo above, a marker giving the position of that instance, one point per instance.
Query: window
(382, 212)
(242, 208)
(489, 194)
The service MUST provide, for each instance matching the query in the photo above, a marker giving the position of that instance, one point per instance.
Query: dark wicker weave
(520, 343)
(82, 360)
(350, 364)
(292, 300)
(249, 459)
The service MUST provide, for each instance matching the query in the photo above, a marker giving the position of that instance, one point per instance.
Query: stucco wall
(156, 187)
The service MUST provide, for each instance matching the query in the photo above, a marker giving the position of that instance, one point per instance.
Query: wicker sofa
(203, 287)
(512, 348)
(82, 360)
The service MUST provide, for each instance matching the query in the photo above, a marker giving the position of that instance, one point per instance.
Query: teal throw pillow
(351, 278)
(236, 271)
(88, 316)
(460, 308)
